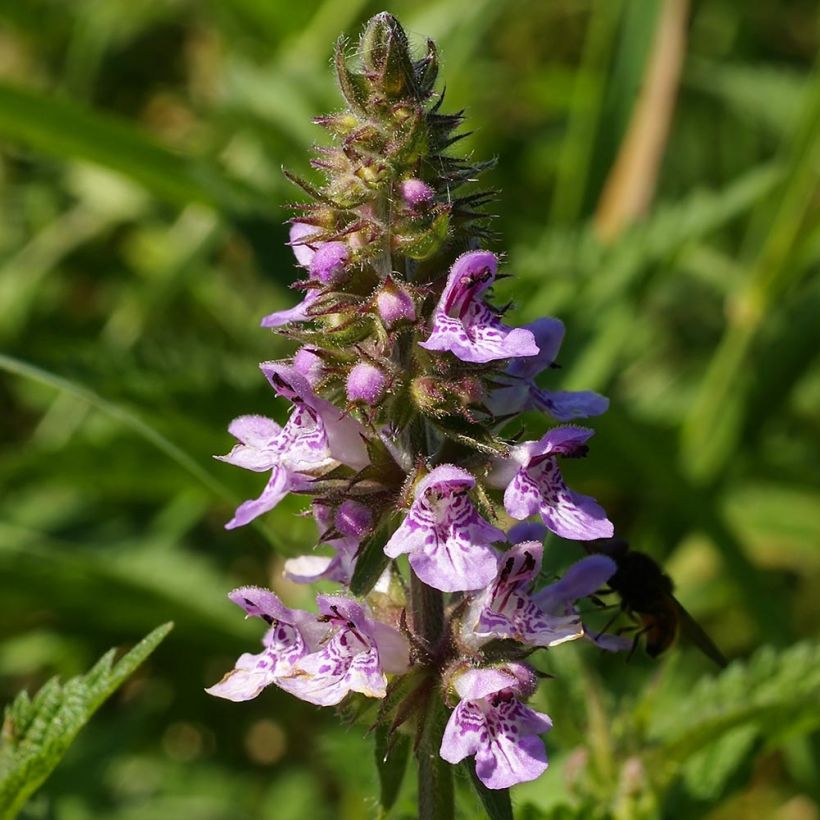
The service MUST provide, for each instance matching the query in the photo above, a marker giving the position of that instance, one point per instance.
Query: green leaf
(67, 130)
(496, 802)
(772, 692)
(371, 562)
(707, 772)
(37, 732)
(391, 763)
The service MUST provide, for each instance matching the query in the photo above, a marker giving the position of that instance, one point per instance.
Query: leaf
(37, 732)
(371, 562)
(496, 802)
(706, 772)
(391, 763)
(67, 130)
(126, 417)
(772, 692)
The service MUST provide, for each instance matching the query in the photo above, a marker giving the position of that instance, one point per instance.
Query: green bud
(386, 56)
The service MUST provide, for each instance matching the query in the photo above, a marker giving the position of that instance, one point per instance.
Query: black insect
(646, 593)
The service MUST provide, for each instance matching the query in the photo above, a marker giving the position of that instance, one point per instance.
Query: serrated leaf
(706, 772)
(496, 802)
(770, 692)
(38, 731)
(371, 562)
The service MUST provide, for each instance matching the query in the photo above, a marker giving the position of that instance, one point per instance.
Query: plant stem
(427, 609)
(435, 774)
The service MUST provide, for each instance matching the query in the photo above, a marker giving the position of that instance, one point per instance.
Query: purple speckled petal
(260, 443)
(462, 735)
(509, 759)
(351, 660)
(575, 516)
(247, 679)
(465, 326)
(447, 540)
(291, 636)
(537, 486)
(344, 436)
(522, 498)
(492, 725)
(454, 566)
(507, 610)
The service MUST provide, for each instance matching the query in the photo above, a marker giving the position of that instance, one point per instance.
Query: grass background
(666, 209)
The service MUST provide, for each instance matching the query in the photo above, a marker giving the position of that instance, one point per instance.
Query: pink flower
(534, 485)
(492, 725)
(447, 540)
(467, 327)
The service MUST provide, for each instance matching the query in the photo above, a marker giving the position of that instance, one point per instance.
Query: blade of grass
(68, 130)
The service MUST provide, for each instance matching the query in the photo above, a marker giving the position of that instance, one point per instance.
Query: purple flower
(491, 724)
(300, 233)
(351, 522)
(355, 657)
(534, 485)
(517, 390)
(314, 441)
(292, 635)
(465, 325)
(298, 313)
(507, 609)
(583, 578)
(308, 569)
(448, 541)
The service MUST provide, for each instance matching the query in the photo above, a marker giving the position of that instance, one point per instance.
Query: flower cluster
(399, 394)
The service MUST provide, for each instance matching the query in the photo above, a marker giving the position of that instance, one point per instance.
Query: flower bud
(329, 263)
(395, 305)
(385, 55)
(353, 519)
(416, 194)
(366, 383)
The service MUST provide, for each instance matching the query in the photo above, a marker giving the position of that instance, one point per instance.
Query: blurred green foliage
(141, 238)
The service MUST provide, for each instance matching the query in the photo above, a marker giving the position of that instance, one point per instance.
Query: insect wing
(694, 632)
